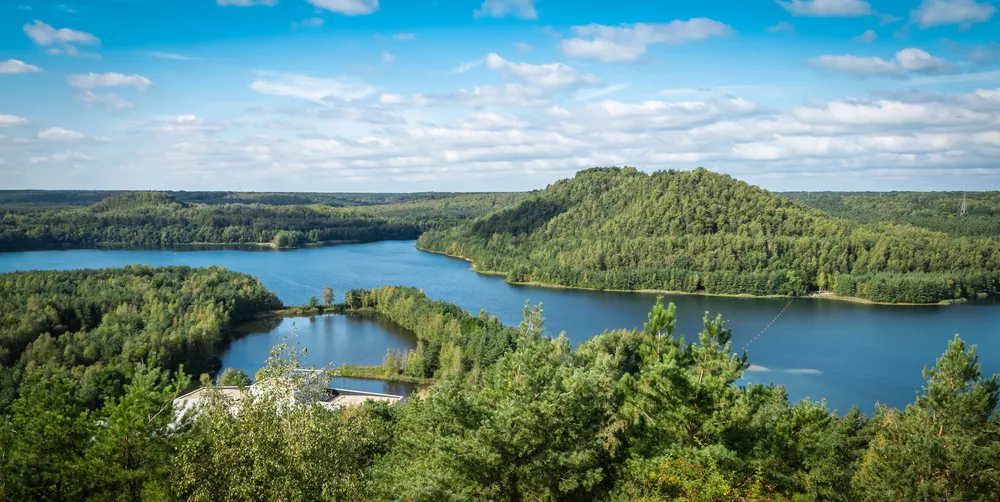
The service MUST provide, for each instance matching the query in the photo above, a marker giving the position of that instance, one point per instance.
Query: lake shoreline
(813, 295)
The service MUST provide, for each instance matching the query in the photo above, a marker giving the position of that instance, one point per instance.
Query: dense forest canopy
(159, 219)
(628, 415)
(698, 231)
(96, 325)
(938, 211)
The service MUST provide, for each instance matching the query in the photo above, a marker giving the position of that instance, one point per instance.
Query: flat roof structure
(332, 398)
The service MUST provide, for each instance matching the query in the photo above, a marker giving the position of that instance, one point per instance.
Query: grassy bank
(378, 373)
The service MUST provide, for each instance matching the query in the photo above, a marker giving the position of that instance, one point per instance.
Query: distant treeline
(159, 220)
(697, 231)
(938, 211)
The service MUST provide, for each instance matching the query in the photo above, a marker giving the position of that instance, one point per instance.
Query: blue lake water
(847, 353)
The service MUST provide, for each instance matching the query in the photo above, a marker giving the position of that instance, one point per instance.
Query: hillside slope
(698, 231)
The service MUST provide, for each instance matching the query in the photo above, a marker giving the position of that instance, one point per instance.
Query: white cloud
(96, 80)
(182, 125)
(510, 95)
(323, 90)
(491, 121)
(60, 134)
(312, 22)
(110, 100)
(867, 37)
(347, 7)
(12, 121)
(586, 94)
(61, 41)
(919, 61)
(942, 12)
(62, 157)
(906, 60)
(827, 8)
(15, 66)
(469, 65)
(388, 58)
(523, 9)
(554, 75)
(245, 3)
(523, 47)
(405, 37)
(169, 55)
(782, 27)
(399, 99)
(628, 43)
(859, 66)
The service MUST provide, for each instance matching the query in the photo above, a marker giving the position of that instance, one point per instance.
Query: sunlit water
(847, 353)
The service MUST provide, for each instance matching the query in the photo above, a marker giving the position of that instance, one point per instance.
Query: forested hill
(161, 219)
(698, 231)
(939, 211)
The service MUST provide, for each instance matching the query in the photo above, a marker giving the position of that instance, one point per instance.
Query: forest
(646, 414)
(938, 211)
(95, 326)
(161, 220)
(703, 232)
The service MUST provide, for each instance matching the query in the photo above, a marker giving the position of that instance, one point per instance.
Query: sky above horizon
(481, 95)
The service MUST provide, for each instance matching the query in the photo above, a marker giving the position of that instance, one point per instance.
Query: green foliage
(232, 377)
(938, 211)
(98, 324)
(451, 342)
(944, 446)
(697, 231)
(161, 219)
(327, 295)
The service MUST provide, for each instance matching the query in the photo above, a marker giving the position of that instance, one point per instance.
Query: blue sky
(454, 95)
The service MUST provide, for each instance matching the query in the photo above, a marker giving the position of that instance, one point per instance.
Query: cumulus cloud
(523, 47)
(388, 58)
(399, 99)
(245, 3)
(312, 88)
(827, 8)
(60, 134)
(523, 9)
(467, 66)
(867, 37)
(12, 121)
(109, 100)
(554, 75)
(347, 7)
(629, 42)
(62, 41)
(906, 60)
(942, 12)
(96, 80)
(16, 66)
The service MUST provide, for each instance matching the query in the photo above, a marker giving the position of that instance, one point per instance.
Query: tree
(944, 446)
(327, 295)
(134, 441)
(313, 302)
(233, 377)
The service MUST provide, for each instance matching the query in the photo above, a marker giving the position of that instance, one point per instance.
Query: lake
(845, 352)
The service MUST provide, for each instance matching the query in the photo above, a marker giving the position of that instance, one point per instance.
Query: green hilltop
(699, 231)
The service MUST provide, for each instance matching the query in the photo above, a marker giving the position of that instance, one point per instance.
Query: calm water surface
(844, 352)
